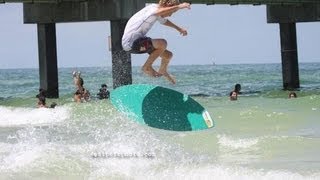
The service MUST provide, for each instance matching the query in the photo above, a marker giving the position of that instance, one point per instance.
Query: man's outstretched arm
(182, 31)
(163, 11)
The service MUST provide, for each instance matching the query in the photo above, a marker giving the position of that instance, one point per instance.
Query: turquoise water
(263, 135)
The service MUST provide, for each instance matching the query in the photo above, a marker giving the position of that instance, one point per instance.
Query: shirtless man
(135, 40)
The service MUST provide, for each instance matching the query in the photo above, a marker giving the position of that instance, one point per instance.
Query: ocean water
(262, 135)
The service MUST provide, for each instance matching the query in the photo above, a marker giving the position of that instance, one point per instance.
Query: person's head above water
(237, 88)
(41, 100)
(233, 96)
(292, 95)
(104, 86)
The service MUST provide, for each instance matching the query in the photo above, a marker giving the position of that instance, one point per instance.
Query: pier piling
(121, 60)
(289, 55)
(48, 68)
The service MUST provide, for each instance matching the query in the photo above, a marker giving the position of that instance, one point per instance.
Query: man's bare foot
(170, 78)
(164, 73)
(151, 72)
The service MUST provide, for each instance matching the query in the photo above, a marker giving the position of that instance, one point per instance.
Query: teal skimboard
(161, 108)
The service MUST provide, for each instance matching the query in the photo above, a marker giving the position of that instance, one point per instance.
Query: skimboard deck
(161, 108)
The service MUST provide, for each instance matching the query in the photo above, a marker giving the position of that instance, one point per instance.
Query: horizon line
(211, 64)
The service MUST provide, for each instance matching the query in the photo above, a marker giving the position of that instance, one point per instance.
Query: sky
(222, 34)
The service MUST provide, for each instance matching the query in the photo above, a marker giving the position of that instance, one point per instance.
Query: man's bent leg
(160, 45)
(163, 70)
(165, 59)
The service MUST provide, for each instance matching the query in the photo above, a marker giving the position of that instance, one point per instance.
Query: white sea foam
(199, 172)
(22, 157)
(36, 155)
(236, 143)
(12, 116)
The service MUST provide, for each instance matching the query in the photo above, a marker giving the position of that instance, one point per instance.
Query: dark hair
(237, 87)
(42, 92)
(42, 100)
(292, 94)
(233, 98)
(103, 85)
(81, 81)
(53, 105)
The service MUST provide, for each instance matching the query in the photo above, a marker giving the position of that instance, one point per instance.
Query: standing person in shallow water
(135, 40)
